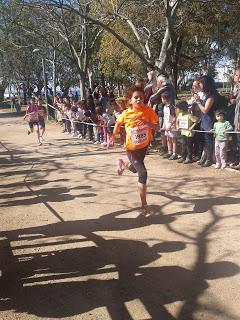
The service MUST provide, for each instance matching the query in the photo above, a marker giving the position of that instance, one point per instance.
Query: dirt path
(72, 245)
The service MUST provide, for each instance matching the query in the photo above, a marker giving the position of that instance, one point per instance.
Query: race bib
(139, 135)
(183, 124)
(41, 113)
(33, 117)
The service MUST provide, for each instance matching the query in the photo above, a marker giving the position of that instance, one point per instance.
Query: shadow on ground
(66, 269)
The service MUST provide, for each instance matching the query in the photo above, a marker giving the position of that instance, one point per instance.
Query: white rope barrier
(96, 125)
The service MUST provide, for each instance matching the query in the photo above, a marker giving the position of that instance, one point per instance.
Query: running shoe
(146, 211)
(121, 167)
(173, 157)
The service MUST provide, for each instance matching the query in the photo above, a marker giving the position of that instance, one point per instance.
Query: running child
(42, 112)
(32, 118)
(139, 121)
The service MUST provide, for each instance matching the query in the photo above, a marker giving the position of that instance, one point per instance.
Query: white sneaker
(104, 144)
(223, 166)
(217, 166)
(80, 136)
(96, 142)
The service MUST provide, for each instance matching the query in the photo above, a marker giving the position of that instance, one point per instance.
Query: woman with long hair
(207, 107)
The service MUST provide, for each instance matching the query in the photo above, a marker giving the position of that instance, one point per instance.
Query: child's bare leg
(142, 189)
(38, 135)
(169, 145)
(42, 130)
(164, 141)
(174, 145)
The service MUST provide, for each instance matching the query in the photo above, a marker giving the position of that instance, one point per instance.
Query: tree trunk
(3, 87)
(54, 74)
(90, 76)
(82, 81)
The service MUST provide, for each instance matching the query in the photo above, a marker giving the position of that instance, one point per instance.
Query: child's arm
(193, 126)
(177, 123)
(173, 122)
(115, 131)
(213, 130)
(28, 114)
(228, 127)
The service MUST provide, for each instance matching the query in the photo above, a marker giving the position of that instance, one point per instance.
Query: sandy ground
(72, 245)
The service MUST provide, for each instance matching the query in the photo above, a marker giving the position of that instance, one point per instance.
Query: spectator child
(100, 124)
(79, 118)
(186, 122)
(220, 128)
(72, 115)
(109, 122)
(67, 113)
(169, 125)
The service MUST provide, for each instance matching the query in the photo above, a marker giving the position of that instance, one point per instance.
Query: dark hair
(165, 95)
(74, 108)
(133, 89)
(208, 85)
(149, 65)
(219, 112)
(98, 110)
(182, 105)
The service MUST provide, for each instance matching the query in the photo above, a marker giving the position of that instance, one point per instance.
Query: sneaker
(207, 163)
(181, 160)
(173, 157)
(167, 155)
(80, 136)
(223, 166)
(96, 142)
(217, 166)
(235, 165)
(162, 152)
(104, 144)
(121, 167)
(196, 159)
(188, 161)
(146, 211)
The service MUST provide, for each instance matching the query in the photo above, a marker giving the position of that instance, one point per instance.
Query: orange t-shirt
(137, 137)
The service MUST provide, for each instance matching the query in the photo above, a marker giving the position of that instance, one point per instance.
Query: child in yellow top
(186, 122)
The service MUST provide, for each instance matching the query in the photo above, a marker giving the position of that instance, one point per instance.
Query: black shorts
(41, 123)
(34, 123)
(136, 158)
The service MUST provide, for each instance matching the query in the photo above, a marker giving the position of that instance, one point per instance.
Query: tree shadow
(66, 269)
